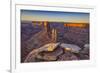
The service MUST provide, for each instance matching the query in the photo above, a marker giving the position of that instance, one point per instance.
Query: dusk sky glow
(36, 15)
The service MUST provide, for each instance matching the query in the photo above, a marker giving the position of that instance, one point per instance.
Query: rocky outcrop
(60, 52)
(35, 53)
(85, 52)
(71, 47)
(68, 55)
(51, 56)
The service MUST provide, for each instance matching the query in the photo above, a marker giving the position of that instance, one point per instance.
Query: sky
(54, 16)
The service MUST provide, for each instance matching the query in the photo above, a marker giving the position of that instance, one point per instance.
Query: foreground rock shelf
(59, 52)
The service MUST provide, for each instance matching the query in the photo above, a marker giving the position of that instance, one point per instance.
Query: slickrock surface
(58, 54)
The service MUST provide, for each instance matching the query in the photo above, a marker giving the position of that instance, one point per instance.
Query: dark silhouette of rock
(85, 50)
(67, 56)
(83, 57)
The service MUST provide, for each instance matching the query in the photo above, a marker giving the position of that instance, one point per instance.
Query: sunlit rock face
(71, 47)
